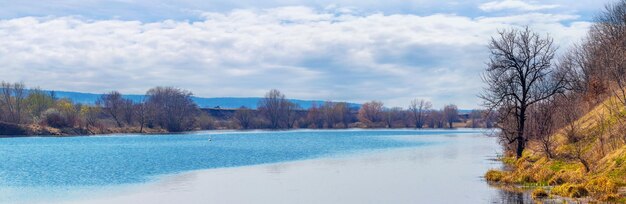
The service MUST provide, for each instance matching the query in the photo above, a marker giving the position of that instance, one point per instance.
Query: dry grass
(566, 174)
(570, 190)
(494, 175)
(539, 193)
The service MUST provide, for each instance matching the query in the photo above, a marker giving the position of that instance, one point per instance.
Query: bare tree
(291, 113)
(128, 111)
(451, 114)
(577, 141)
(343, 113)
(12, 98)
(90, 115)
(172, 108)
(394, 116)
(490, 118)
(418, 109)
(244, 117)
(436, 119)
(272, 106)
(141, 113)
(519, 74)
(541, 126)
(476, 117)
(114, 105)
(371, 113)
(329, 114)
(314, 117)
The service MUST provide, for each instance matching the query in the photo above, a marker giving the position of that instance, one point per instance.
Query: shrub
(564, 176)
(494, 175)
(539, 193)
(543, 175)
(601, 187)
(54, 118)
(570, 190)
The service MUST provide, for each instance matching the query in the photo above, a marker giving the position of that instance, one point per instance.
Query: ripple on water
(53, 165)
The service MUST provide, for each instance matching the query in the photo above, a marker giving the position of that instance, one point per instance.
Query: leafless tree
(577, 141)
(272, 106)
(371, 113)
(114, 105)
(172, 108)
(141, 113)
(291, 113)
(541, 125)
(418, 109)
(451, 114)
(490, 118)
(244, 117)
(90, 115)
(392, 116)
(128, 111)
(436, 119)
(314, 117)
(12, 99)
(329, 113)
(475, 117)
(342, 111)
(520, 73)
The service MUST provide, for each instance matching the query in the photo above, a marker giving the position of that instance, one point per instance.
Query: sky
(343, 50)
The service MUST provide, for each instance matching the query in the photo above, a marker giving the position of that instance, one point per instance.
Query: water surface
(49, 168)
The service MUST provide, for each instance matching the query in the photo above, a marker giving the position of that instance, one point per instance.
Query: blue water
(71, 162)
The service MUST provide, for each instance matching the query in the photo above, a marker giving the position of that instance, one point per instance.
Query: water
(54, 168)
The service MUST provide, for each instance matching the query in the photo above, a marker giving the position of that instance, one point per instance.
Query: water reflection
(504, 196)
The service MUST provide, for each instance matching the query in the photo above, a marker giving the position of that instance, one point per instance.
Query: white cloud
(515, 5)
(306, 53)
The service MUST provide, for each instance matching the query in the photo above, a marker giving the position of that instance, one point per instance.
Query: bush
(54, 118)
(564, 176)
(205, 122)
(570, 190)
(539, 193)
(494, 175)
(601, 187)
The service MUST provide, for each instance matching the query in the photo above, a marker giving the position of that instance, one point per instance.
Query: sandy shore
(449, 173)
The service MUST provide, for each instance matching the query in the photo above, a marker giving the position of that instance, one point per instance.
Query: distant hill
(222, 102)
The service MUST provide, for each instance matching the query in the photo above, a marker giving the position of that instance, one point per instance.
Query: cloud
(515, 5)
(305, 52)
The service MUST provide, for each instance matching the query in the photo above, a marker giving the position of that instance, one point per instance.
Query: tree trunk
(520, 146)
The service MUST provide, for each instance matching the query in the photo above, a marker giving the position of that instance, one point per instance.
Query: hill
(588, 158)
(222, 102)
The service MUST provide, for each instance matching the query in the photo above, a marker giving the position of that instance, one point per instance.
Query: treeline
(168, 109)
(274, 111)
(163, 109)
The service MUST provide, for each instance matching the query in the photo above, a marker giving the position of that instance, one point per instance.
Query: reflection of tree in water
(504, 196)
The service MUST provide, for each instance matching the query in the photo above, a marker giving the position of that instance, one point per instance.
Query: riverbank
(26, 130)
(587, 160)
(23, 130)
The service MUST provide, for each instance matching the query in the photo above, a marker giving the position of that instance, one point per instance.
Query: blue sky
(393, 50)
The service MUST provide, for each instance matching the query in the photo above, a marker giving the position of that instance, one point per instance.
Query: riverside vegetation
(167, 109)
(562, 124)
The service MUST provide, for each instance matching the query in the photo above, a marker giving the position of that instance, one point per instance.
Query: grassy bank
(592, 168)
